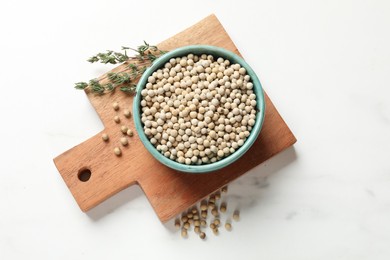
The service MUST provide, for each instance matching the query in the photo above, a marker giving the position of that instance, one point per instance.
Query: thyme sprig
(124, 80)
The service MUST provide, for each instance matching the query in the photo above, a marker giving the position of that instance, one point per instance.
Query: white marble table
(325, 65)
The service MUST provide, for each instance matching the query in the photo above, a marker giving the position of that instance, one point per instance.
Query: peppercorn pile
(198, 109)
(199, 217)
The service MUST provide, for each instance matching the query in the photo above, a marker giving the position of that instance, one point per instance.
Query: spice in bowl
(198, 109)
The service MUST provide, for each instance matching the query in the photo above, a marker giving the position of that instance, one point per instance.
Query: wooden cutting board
(169, 192)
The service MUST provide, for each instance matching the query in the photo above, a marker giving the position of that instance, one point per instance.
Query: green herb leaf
(109, 87)
(129, 89)
(81, 85)
(93, 59)
(96, 87)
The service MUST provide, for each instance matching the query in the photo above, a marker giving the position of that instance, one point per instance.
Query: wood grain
(169, 192)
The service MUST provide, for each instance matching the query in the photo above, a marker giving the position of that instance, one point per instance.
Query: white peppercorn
(228, 226)
(127, 113)
(117, 151)
(105, 137)
(193, 109)
(236, 215)
(223, 207)
(124, 129)
(115, 106)
(203, 223)
(124, 141)
(184, 233)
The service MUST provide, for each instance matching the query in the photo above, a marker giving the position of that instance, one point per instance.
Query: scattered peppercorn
(117, 151)
(177, 223)
(124, 129)
(223, 207)
(236, 215)
(129, 133)
(127, 113)
(115, 105)
(197, 229)
(124, 141)
(184, 233)
(228, 226)
(186, 225)
(105, 137)
(196, 217)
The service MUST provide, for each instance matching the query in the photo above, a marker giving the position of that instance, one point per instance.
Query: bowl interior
(198, 50)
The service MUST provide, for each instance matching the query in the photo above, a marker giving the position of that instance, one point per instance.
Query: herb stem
(126, 77)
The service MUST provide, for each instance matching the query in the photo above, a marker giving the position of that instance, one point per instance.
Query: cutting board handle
(88, 170)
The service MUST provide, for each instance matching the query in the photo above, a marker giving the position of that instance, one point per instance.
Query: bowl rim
(215, 51)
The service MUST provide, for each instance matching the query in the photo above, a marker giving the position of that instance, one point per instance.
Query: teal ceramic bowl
(198, 50)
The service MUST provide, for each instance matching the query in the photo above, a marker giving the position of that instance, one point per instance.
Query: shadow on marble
(115, 202)
(246, 191)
